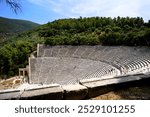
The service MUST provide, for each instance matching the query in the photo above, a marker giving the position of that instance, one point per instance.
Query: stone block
(97, 87)
(48, 93)
(10, 94)
(75, 92)
(143, 76)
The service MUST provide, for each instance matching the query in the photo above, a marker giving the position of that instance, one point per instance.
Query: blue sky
(43, 11)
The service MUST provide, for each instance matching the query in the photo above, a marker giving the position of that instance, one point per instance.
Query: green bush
(13, 56)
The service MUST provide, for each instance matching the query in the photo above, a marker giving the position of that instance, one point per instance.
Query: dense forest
(97, 30)
(118, 31)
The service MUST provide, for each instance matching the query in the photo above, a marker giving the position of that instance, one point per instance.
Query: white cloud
(84, 8)
(126, 8)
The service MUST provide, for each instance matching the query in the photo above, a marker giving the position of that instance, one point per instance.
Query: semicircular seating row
(69, 64)
(68, 70)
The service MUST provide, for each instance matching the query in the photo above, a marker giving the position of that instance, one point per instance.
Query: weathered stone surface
(69, 64)
(64, 71)
(39, 92)
(143, 76)
(109, 81)
(97, 87)
(49, 93)
(75, 92)
(86, 89)
(9, 94)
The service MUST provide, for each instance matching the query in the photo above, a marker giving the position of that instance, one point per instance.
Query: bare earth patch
(10, 83)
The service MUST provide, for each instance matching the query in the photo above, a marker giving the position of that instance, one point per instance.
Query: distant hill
(15, 25)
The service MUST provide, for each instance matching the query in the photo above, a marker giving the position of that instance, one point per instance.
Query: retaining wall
(84, 90)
